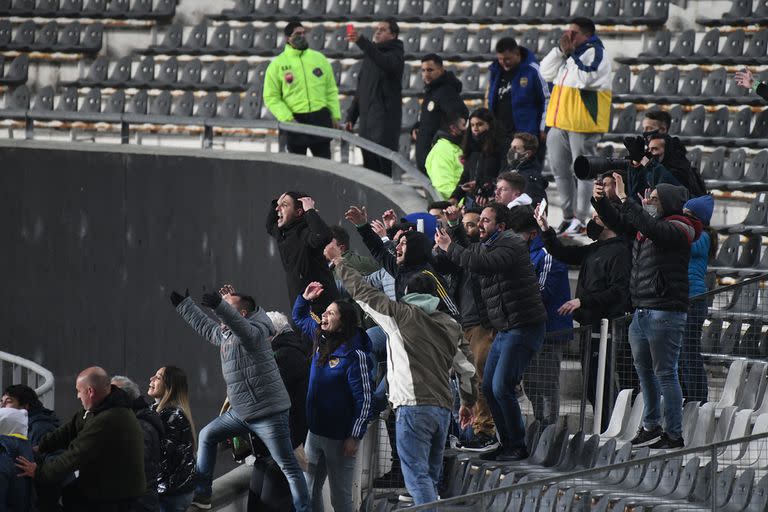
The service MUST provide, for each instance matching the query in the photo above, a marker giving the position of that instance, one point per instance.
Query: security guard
(299, 86)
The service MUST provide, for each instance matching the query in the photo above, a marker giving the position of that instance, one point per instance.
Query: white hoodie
(521, 200)
(13, 422)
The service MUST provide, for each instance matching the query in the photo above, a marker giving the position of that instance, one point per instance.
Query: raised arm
(359, 217)
(199, 321)
(251, 332)
(664, 233)
(365, 295)
(569, 254)
(302, 314)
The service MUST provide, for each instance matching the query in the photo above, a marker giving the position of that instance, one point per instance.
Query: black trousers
(320, 149)
(269, 490)
(74, 500)
(376, 163)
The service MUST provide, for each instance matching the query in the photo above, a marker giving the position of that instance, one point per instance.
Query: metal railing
(128, 122)
(24, 371)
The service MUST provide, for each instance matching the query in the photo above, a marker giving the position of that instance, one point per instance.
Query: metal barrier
(24, 371)
(128, 122)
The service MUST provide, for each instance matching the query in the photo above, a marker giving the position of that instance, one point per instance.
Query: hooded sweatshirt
(701, 208)
(444, 163)
(423, 345)
(339, 398)
(15, 492)
(442, 96)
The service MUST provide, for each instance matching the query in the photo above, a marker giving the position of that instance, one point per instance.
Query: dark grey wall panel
(94, 241)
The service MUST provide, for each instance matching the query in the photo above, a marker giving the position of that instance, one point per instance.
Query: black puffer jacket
(292, 356)
(152, 427)
(440, 97)
(661, 251)
(509, 287)
(378, 97)
(41, 421)
(301, 243)
(177, 463)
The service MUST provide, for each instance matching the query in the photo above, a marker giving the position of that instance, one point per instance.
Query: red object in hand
(350, 29)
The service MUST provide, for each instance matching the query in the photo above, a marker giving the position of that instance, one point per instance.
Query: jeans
(693, 376)
(655, 337)
(562, 148)
(274, 433)
(325, 457)
(508, 358)
(421, 433)
(175, 503)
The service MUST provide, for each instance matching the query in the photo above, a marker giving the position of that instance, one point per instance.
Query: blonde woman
(175, 483)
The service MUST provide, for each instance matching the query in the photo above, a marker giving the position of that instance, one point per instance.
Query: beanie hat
(13, 421)
(290, 27)
(701, 207)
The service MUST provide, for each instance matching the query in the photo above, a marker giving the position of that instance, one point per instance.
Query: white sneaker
(574, 228)
(405, 498)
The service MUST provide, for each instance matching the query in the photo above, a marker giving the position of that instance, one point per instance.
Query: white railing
(24, 371)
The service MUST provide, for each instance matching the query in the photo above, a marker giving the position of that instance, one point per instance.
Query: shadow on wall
(95, 240)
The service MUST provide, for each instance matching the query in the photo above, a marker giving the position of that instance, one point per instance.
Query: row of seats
(733, 50)
(694, 86)
(606, 12)
(51, 37)
(734, 172)
(457, 44)
(98, 9)
(674, 482)
(701, 126)
(742, 12)
(14, 72)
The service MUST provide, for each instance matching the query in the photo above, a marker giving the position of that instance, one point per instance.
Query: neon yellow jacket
(300, 81)
(444, 166)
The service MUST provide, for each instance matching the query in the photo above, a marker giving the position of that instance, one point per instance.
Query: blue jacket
(530, 93)
(553, 284)
(15, 492)
(697, 267)
(339, 398)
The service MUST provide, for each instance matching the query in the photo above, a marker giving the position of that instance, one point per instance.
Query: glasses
(503, 189)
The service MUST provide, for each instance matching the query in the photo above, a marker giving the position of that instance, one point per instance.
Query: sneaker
(202, 502)
(391, 480)
(646, 437)
(667, 443)
(575, 227)
(451, 442)
(405, 498)
(512, 455)
(563, 226)
(482, 442)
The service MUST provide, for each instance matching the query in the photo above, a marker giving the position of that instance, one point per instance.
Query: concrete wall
(95, 238)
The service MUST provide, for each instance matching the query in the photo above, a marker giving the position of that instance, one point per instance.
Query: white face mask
(651, 209)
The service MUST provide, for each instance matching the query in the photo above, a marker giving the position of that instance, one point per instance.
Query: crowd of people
(436, 328)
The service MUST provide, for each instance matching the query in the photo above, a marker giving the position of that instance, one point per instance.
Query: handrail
(401, 164)
(711, 447)
(45, 391)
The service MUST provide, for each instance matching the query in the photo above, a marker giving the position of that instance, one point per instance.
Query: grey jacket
(254, 386)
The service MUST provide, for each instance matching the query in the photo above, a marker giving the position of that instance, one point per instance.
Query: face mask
(651, 210)
(594, 229)
(300, 43)
(517, 159)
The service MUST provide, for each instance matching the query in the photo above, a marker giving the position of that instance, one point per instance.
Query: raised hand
(227, 289)
(621, 192)
(379, 228)
(176, 297)
(211, 300)
(312, 291)
(356, 215)
(541, 217)
(307, 203)
(745, 79)
(389, 218)
(442, 240)
(452, 213)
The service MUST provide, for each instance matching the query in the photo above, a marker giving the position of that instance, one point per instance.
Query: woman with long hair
(175, 483)
(338, 398)
(484, 156)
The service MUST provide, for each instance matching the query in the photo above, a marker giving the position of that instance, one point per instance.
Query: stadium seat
(115, 103)
(480, 42)
(92, 102)
(207, 106)
(455, 45)
(411, 10)
(214, 76)
(337, 45)
(180, 106)
(412, 41)
(694, 122)
(144, 74)
(43, 99)
(16, 72)
(242, 41)
(139, 103)
(315, 9)
(625, 121)
(191, 74)
(757, 172)
(461, 12)
(95, 8)
(171, 41)
(621, 80)
(219, 42)
(659, 45)
(644, 84)
(339, 8)
(434, 41)
(316, 37)
(230, 107)
(385, 8)
(167, 75)
(252, 104)
(485, 10)
(535, 12)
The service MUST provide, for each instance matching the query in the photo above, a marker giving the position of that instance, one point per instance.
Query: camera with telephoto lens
(486, 190)
(590, 167)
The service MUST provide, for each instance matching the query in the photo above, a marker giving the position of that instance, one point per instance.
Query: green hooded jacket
(300, 82)
(444, 165)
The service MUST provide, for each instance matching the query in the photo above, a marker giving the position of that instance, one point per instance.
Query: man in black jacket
(510, 293)
(442, 95)
(659, 291)
(301, 236)
(601, 290)
(378, 97)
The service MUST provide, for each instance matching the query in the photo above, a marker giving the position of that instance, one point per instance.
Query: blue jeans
(272, 430)
(325, 457)
(508, 358)
(175, 503)
(655, 337)
(693, 376)
(421, 433)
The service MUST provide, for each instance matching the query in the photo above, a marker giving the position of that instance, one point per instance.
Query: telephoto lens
(590, 167)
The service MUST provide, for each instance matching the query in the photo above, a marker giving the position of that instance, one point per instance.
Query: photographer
(646, 170)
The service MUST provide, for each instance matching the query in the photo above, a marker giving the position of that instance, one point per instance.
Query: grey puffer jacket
(254, 386)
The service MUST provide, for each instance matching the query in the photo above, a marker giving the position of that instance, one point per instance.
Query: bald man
(103, 442)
